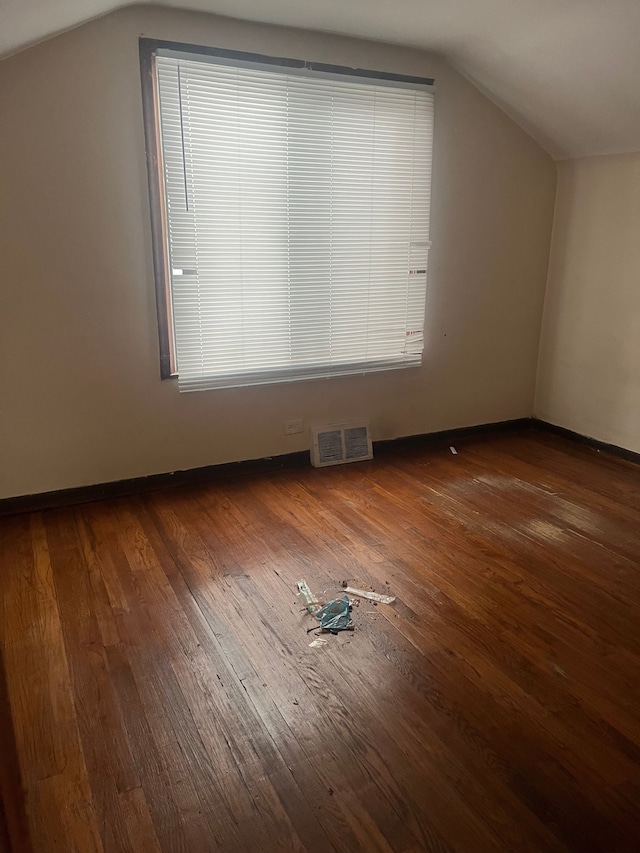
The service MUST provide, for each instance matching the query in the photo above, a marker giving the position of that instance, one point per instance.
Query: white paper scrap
(372, 596)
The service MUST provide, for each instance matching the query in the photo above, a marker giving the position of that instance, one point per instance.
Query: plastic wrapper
(336, 615)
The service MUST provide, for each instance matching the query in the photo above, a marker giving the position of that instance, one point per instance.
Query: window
(290, 211)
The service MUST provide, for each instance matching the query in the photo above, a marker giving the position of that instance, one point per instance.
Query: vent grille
(339, 443)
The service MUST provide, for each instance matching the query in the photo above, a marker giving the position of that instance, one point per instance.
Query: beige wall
(81, 401)
(589, 373)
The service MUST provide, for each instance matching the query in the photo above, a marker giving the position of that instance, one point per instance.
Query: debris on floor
(453, 450)
(372, 596)
(311, 604)
(336, 615)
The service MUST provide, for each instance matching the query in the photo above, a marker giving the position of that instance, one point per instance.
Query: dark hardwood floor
(164, 696)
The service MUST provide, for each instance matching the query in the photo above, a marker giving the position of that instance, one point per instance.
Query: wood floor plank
(110, 764)
(163, 697)
(60, 806)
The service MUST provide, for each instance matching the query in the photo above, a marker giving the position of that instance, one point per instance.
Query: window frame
(148, 49)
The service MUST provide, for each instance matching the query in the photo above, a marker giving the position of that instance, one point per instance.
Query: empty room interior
(319, 426)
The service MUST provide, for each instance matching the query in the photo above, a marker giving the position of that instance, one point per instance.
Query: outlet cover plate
(292, 427)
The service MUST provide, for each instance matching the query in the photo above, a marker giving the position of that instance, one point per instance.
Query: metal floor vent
(339, 443)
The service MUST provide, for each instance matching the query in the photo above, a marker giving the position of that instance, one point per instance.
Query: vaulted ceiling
(567, 70)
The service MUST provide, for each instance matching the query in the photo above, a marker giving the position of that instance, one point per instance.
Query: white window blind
(297, 219)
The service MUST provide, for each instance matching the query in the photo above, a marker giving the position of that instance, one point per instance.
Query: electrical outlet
(291, 427)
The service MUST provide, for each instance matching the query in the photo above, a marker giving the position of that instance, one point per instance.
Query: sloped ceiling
(567, 70)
